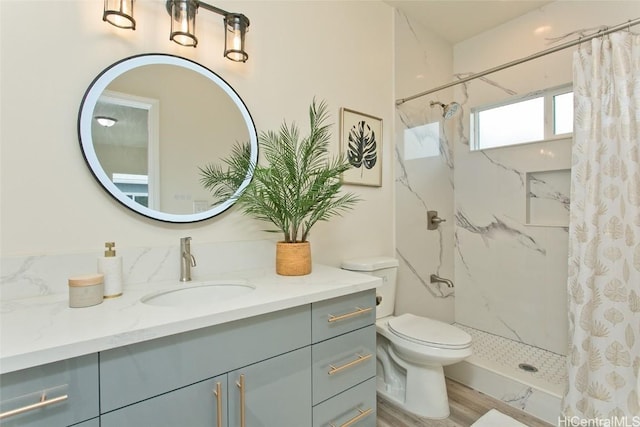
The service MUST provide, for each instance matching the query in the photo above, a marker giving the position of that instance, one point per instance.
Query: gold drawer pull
(361, 358)
(218, 393)
(360, 416)
(357, 312)
(241, 386)
(41, 404)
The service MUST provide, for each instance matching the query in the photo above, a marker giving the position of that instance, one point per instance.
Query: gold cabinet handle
(358, 311)
(361, 358)
(240, 385)
(218, 393)
(41, 404)
(362, 414)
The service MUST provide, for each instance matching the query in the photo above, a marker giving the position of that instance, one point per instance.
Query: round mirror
(149, 123)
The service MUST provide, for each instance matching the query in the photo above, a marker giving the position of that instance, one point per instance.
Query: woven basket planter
(293, 259)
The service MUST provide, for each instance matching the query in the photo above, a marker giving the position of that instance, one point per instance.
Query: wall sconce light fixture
(183, 23)
(119, 13)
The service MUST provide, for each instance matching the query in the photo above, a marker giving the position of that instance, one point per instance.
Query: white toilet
(411, 350)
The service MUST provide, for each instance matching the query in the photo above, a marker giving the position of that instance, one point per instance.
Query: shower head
(448, 110)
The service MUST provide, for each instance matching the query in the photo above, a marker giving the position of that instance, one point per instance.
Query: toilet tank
(384, 267)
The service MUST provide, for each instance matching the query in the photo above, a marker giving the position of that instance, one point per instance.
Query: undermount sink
(198, 293)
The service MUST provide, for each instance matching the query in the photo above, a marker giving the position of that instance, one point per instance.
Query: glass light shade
(183, 22)
(236, 26)
(119, 13)
(106, 121)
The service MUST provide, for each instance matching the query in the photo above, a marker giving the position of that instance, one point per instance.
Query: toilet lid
(429, 332)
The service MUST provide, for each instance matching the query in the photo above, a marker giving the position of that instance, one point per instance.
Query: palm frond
(224, 180)
(299, 184)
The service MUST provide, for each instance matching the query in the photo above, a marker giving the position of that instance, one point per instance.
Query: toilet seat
(429, 332)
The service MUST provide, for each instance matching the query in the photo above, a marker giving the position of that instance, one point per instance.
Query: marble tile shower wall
(510, 243)
(505, 242)
(424, 174)
(511, 275)
(33, 276)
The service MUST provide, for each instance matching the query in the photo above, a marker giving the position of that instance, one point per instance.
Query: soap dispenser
(111, 266)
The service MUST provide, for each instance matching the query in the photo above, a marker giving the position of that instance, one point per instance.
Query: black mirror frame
(85, 116)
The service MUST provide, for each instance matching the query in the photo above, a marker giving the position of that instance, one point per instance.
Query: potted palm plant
(298, 185)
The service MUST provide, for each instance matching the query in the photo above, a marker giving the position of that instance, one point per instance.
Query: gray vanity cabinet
(170, 381)
(274, 392)
(141, 371)
(53, 395)
(312, 365)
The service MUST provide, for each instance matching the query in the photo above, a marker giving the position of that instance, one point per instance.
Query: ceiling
(456, 21)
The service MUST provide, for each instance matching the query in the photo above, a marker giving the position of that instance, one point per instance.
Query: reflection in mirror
(146, 125)
(125, 138)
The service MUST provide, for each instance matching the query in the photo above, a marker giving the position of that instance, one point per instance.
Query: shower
(448, 110)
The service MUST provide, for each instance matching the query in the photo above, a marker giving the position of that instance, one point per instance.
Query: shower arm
(437, 279)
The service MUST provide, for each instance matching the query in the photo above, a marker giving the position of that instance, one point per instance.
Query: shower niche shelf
(547, 198)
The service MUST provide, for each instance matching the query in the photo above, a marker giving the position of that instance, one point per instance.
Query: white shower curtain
(604, 233)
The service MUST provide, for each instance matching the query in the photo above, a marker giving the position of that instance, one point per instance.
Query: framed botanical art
(361, 143)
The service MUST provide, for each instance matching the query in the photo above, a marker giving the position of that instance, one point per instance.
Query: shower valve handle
(433, 220)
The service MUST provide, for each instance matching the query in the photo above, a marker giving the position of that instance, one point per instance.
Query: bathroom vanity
(296, 351)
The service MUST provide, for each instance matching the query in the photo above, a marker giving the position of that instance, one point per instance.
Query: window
(422, 141)
(563, 113)
(135, 187)
(541, 116)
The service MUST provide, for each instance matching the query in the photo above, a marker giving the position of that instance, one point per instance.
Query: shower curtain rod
(537, 55)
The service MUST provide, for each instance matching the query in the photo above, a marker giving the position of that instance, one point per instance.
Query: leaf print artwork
(362, 151)
(361, 145)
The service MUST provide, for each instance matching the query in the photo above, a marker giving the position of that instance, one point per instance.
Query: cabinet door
(275, 392)
(200, 404)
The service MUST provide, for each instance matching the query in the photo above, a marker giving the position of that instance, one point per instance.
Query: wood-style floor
(466, 404)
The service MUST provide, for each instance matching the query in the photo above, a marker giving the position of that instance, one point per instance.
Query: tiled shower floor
(504, 355)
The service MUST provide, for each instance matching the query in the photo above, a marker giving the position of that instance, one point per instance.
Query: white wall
(341, 52)
(511, 278)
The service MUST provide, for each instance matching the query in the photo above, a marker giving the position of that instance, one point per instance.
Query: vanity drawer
(355, 407)
(70, 388)
(343, 362)
(136, 372)
(337, 316)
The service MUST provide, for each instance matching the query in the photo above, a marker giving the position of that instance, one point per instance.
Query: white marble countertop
(39, 330)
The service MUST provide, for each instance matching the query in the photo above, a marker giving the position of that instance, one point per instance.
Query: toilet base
(422, 392)
(394, 399)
